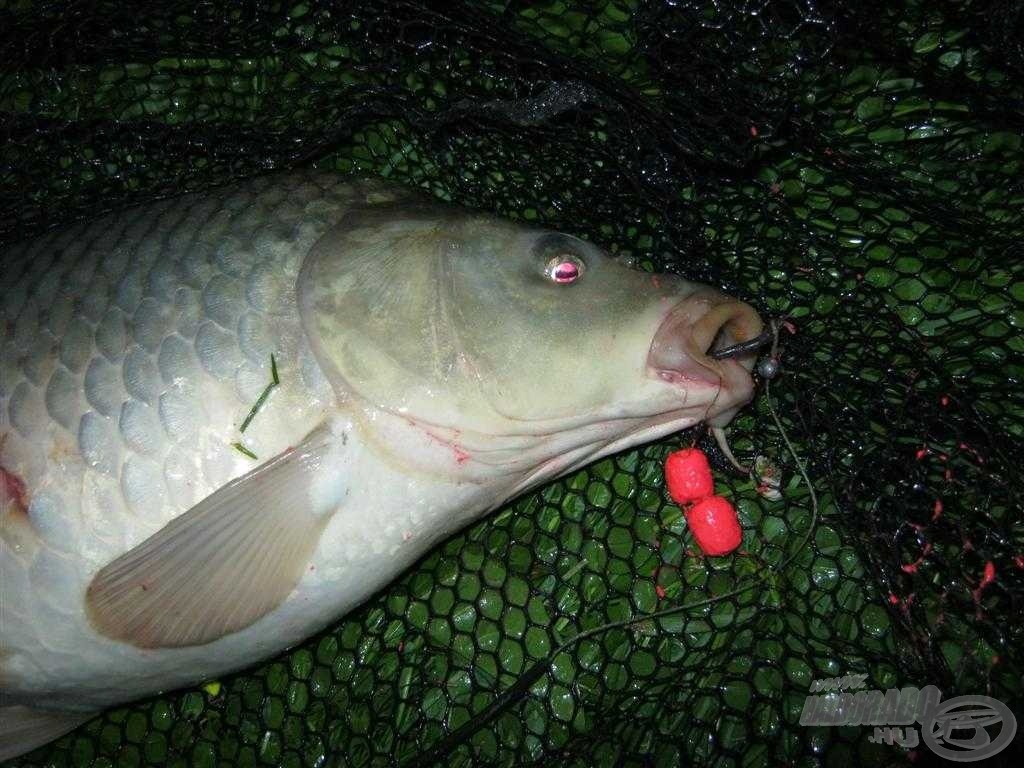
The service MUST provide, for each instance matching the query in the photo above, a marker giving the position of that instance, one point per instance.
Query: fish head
(477, 326)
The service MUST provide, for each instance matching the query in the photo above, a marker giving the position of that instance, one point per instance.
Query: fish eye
(564, 268)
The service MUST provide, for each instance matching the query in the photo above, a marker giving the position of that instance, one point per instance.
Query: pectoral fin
(22, 729)
(230, 559)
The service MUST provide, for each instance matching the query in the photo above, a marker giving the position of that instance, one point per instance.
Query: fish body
(400, 352)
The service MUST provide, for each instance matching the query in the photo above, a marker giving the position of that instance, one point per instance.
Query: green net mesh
(856, 167)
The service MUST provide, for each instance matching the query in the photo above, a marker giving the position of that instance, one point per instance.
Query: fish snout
(691, 331)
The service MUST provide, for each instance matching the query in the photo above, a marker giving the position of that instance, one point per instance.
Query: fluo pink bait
(715, 526)
(688, 476)
(712, 519)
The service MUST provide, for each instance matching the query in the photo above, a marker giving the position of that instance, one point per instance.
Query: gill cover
(453, 317)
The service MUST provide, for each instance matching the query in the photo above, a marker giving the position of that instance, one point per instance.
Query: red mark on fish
(461, 456)
(12, 487)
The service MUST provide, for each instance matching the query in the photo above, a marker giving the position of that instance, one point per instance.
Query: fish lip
(690, 329)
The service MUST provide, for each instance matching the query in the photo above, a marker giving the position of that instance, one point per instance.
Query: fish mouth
(691, 331)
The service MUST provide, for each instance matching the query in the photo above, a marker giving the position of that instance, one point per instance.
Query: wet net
(856, 167)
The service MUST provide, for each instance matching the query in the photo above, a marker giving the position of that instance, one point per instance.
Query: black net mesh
(856, 167)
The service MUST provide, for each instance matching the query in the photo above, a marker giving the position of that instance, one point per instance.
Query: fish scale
(137, 337)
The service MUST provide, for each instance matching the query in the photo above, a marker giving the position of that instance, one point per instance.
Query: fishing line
(526, 681)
